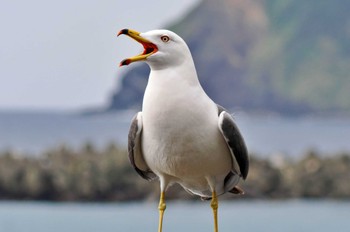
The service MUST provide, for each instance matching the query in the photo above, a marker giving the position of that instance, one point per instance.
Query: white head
(162, 48)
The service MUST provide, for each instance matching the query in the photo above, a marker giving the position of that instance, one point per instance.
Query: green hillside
(314, 52)
(290, 57)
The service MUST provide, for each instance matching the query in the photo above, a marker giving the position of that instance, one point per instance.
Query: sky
(64, 55)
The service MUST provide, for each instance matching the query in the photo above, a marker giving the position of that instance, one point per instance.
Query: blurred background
(282, 67)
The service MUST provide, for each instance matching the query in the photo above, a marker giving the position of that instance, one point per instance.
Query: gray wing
(135, 150)
(234, 140)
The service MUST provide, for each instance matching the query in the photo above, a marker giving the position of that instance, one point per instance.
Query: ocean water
(244, 216)
(34, 132)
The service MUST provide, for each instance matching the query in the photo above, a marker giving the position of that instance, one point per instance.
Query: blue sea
(34, 132)
(242, 216)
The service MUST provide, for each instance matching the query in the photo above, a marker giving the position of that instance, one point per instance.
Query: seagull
(182, 136)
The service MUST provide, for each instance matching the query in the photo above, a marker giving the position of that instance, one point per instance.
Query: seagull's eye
(165, 38)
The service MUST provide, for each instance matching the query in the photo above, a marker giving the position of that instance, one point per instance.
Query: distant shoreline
(90, 174)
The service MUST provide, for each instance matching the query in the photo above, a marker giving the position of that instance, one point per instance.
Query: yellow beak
(149, 47)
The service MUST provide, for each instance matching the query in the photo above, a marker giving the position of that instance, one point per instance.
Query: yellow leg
(215, 205)
(161, 208)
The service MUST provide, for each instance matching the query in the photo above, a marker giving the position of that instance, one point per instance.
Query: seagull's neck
(184, 75)
(174, 89)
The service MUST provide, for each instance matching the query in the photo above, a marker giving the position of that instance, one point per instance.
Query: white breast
(180, 137)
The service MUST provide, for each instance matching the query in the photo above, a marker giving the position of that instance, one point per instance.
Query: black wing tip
(147, 175)
(244, 166)
(237, 190)
(245, 175)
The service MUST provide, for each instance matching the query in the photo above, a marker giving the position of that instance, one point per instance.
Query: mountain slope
(285, 56)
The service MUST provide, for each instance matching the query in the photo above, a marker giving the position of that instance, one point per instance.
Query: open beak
(149, 47)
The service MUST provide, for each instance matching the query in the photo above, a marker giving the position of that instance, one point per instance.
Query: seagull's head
(162, 48)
